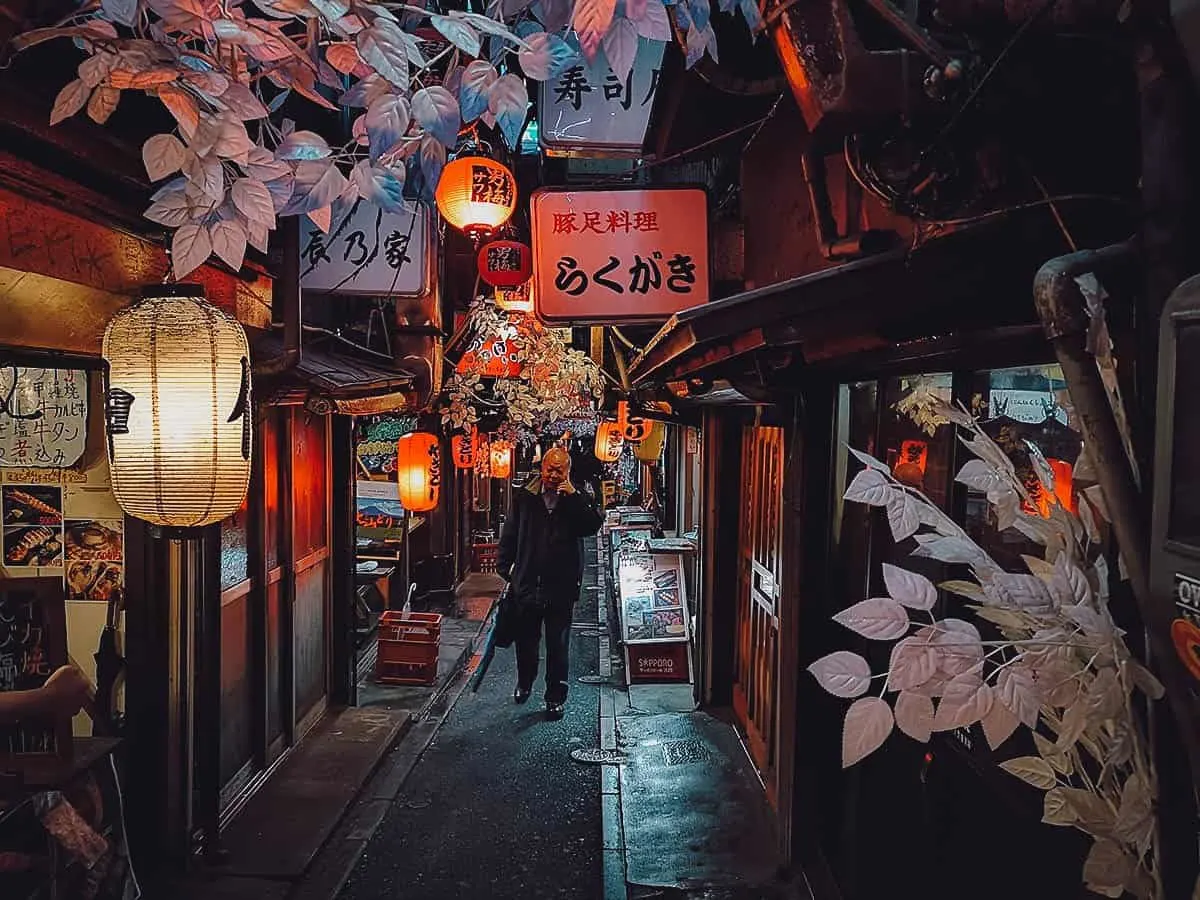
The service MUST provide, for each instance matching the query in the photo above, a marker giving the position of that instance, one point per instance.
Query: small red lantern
(418, 471)
(634, 428)
(462, 448)
(501, 458)
(518, 299)
(505, 264)
(609, 442)
(476, 194)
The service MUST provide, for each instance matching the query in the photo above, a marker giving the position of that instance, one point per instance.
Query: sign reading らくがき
(604, 256)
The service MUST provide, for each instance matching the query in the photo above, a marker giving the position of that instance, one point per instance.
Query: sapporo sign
(627, 255)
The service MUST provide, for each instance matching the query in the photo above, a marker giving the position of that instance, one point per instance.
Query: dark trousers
(556, 619)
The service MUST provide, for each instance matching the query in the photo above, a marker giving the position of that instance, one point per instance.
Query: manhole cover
(678, 753)
(592, 679)
(595, 756)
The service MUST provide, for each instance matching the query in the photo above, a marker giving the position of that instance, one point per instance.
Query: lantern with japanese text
(651, 447)
(177, 408)
(633, 427)
(517, 299)
(418, 470)
(501, 455)
(609, 442)
(462, 448)
(505, 264)
(476, 195)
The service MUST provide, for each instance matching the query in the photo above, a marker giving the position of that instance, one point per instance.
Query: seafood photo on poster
(93, 539)
(33, 545)
(93, 580)
(32, 504)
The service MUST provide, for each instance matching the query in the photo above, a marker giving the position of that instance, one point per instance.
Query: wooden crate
(408, 648)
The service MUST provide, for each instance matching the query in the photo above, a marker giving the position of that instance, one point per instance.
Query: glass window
(857, 421)
(235, 564)
(1183, 523)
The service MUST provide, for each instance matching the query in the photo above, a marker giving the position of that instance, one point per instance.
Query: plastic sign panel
(612, 256)
(369, 251)
(591, 111)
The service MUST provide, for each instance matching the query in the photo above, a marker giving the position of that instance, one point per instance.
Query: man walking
(541, 557)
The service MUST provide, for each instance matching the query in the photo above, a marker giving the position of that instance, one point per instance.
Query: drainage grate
(678, 753)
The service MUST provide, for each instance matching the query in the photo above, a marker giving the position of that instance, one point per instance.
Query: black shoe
(554, 710)
(520, 695)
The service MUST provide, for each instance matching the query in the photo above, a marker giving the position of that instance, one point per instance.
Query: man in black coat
(541, 557)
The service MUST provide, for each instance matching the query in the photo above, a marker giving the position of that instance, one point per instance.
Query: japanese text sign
(611, 256)
(369, 251)
(593, 110)
(43, 416)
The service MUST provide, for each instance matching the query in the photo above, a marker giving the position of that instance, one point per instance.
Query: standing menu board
(654, 620)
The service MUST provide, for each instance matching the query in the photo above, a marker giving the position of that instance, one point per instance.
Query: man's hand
(65, 692)
(566, 487)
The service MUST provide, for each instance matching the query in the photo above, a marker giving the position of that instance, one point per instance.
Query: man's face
(556, 466)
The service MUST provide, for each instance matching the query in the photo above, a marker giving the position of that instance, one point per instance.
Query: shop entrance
(756, 661)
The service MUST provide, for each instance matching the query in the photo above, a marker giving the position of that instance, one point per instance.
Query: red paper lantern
(462, 448)
(505, 264)
(517, 299)
(501, 459)
(418, 471)
(634, 428)
(609, 442)
(476, 194)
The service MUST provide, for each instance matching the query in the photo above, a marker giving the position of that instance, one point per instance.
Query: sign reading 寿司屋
(625, 255)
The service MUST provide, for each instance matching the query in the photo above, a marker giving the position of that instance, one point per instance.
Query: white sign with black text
(369, 251)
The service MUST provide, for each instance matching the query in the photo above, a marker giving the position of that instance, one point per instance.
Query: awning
(329, 381)
(974, 279)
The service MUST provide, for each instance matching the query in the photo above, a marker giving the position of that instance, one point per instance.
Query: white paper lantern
(178, 408)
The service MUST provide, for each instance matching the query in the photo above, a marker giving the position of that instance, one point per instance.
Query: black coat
(540, 552)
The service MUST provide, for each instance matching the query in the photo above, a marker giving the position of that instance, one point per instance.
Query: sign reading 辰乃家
(369, 252)
(611, 256)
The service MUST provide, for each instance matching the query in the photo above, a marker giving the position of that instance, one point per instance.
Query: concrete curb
(612, 830)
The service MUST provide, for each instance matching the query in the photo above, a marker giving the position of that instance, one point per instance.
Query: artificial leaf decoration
(382, 46)
(477, 80)
(1031, 770)
(190, 247)
(655, 22)
(162, 154)
(1108, 869)
(592, 20)
(437, 111)
(999, 725)
(914, 715)
(69, 101)
(868, 723)
(103, 103)
(457, 32)
(880, 619)
(508, 101)
(386, 121)
(842, 673)
(1055, 808)
(966, 700)
(253, 200)
(914, 662)
(870, 486)
(1018, 690)
(909, 589)
(620, 47)
(546, 57)
(229, 242)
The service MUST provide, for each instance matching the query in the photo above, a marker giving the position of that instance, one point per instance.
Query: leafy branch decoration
(1061, 668)
(225, 68)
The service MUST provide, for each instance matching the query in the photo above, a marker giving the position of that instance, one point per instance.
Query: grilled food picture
(37, 546)
(93, 540)
(32, 505)
(93, 580)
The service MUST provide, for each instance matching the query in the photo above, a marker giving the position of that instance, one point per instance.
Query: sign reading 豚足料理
(611, 256)
(594, 111)
(369, 251)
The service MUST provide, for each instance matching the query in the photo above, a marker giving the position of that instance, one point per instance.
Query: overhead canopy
(974, 279)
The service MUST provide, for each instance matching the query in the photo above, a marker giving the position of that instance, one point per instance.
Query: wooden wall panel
(311, 643)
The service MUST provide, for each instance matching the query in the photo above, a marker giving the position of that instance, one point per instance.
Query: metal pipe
(831, 243)
(286, 301)
(1061, 307)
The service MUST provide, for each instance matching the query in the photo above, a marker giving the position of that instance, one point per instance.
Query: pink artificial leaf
(960, 647)
(262, 164)
(214, 84)
(182, 107)
(232, 140)
(966, 700)
(343, 56)
(1017, 689)
(190, 247)
(229, 242)
(1013, 590)
(258, 236)
(878, 618)
(382, 46)
(385, 123)
(636, 9)
(281, 189)
(206, 174)
(477, 79)
(322, 218)
(170, 210)
(1071, 581)
(36, 36)
(868, 723)
(909, 588)
(253, 200)
(244, 103)
(620, 47)
(69, 101)
(870, 486)
(318, 183)
(94, 69)
(437, 111)
(303, 145)
(103, 103)
(914, 716)
(239, 34)
(904, 516)
(592, 19)
(914, 662)
(842, 673)
(999, 725)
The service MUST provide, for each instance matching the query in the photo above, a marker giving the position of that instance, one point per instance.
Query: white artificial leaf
(123, 12)
(1146, 681)
(258, 235)
(868, 723)
(547, 56)
(868, 460)
(960, 648)
(592, 19)
(437, 111)
(978, 475)
(842, 673)
(103, 103)
(1135, 816)
(914, 715)
(947, 548)
(508, 101)
(190, 247)
(1031, 770)
(243, 103)
(870, 486)
(879, 618)
(655, 22)
(1055, 808)
(383, 47)
(171, 209)
(162, 154)
(457, 32)
(69, 101)
(229, 242)
(382, 187)
(206, 176)
(253, 200)
(620, 47)
(1014, 590)
(386, 121)
(909, 588)
(316, 185)
(1074, 721)
(477, 80)
(1060, 762)
(303, 145)
(1108, 868)
(965, 701)
(1017, 689)
(998, 725)
(913, 663)
(1071, 581)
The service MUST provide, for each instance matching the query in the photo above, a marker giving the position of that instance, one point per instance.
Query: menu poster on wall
(652, 599)
(43, 416)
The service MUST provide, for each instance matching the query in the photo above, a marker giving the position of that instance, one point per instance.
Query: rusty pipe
(286, 303)
(1062, 310)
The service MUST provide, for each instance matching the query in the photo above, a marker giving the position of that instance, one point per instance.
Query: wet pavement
(495, 807)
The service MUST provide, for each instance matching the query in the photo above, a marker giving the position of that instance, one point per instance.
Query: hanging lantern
(651, 447)
(633, 428)
(462, 448)
(177, 408)
(418, 470)
(476, 194)
(491, 355)
(505, 264)
(517, 299)
(609, 442)
(501, 459)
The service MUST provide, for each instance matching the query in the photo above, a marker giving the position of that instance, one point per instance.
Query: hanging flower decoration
(551, 380)
(225, 70)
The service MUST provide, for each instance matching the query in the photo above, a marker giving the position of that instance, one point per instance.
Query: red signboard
(658, 662)
(611, 256)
